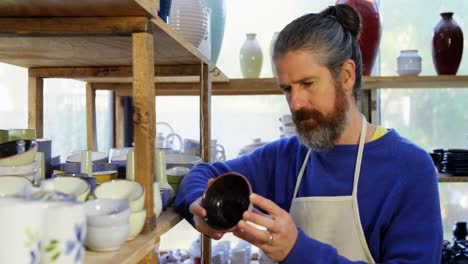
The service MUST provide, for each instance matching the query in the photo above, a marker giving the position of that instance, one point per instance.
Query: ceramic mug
(24, 133)
(22, 231)
(45, 145)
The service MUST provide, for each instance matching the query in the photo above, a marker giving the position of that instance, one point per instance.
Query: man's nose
(296, 100)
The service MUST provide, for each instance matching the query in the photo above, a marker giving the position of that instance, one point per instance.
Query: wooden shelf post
(36, 105)
(205, 139)
(91, 117)
(144, 119)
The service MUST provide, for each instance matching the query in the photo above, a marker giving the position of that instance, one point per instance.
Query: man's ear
(348, 75)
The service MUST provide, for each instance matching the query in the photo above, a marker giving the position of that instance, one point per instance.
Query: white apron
(334, 220)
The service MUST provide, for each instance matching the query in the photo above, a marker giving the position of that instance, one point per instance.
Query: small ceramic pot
(225, 200)
(409, 63)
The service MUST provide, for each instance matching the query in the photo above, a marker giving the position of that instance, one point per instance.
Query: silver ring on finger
(270, 240)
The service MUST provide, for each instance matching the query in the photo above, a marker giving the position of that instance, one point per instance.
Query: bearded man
(343, 190)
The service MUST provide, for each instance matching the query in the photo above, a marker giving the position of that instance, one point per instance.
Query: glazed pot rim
(250, 208)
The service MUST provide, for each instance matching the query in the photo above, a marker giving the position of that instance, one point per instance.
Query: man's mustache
(302, 114)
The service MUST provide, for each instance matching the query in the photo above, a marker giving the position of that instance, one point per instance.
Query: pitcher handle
(222, 157)
(169, 140)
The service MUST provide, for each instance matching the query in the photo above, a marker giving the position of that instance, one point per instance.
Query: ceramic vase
(205, 44)
(447, 45)
(218, 21)
(369, 39)
(251, 57)
(164, 10)
(189, 19)
(158, 206)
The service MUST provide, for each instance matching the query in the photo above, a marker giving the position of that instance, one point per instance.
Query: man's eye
(307, 84)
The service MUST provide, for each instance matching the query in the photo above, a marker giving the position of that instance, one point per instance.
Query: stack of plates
(287, 127)
(454, 161)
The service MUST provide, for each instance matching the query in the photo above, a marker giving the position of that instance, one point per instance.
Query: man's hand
(281, 234)
(198, 215)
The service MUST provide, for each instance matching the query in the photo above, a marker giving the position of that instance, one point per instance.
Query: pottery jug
(251, 57)
(369, 39)
(447, 45)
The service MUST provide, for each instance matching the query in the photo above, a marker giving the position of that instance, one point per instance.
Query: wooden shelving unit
(121, 39)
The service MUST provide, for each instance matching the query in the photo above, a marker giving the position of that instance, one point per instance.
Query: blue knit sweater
(397, 194)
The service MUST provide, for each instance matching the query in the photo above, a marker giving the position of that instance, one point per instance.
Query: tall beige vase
(251, 57)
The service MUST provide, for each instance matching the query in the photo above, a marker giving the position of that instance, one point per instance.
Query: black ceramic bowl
(225, 200)
(16, 147)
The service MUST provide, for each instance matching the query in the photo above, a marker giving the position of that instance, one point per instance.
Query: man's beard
(325, 130)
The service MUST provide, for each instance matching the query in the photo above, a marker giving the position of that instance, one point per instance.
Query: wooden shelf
(106, 39)
(58, 47)
(135, 250)
(82, 8)
(448, 178)
(442, 81)
(268, 86)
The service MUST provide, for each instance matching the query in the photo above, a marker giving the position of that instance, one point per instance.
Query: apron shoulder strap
(301, 173)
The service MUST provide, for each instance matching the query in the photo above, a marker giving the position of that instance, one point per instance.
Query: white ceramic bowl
(18, 170)
(108, 238)
(107, 212)
(181, 160)
(137, 221)
(72, 185)
(131, 191)
(95, 157)
(13, 185)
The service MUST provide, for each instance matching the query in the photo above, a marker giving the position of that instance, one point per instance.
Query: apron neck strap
(301, 173)
(362, 141)
(357, 169)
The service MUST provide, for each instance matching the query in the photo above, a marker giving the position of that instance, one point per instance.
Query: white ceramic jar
(409, 63)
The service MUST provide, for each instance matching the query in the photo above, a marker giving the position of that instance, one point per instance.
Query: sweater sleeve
(414, 233)
(256, 167)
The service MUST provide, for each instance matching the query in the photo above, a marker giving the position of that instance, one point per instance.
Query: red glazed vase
(447, 45)
(369, 39)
